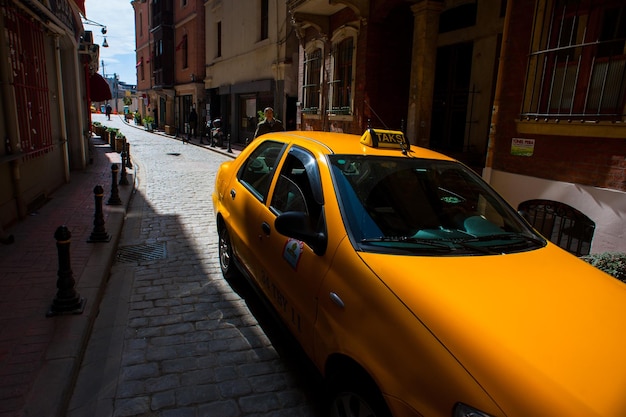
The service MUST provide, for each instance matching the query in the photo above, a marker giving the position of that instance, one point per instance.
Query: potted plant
(137, 118)
(148, 122)
(96, 127)
(120, 142)
(112, 131)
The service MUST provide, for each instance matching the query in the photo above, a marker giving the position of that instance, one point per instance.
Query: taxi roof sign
(379, 138)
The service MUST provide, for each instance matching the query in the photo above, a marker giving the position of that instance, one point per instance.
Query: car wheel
(356, 397)
(225, 251)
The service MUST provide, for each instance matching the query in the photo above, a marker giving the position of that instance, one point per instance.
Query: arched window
(563, 225)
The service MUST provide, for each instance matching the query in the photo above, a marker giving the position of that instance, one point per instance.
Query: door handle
(336, 299)
(266, 228)
(233, 193)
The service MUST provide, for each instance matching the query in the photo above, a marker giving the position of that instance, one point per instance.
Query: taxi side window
(257, 172)
(297, 187)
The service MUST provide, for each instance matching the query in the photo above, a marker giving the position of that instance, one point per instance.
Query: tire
(225, 252)
(356, 396)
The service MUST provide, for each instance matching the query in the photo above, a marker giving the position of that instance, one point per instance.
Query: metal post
(99, 233)
(123, 179)
(114, 199)
(67, 300)
(128, 163)
(229, 148)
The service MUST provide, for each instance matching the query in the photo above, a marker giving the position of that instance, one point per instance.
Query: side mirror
(296, 224)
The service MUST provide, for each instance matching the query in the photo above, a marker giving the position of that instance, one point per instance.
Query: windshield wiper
(504, 236)
(409, 239)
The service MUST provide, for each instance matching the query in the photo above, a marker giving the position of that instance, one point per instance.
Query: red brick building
(559, 131)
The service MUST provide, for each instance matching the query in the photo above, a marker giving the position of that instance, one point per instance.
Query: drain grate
(143, 252)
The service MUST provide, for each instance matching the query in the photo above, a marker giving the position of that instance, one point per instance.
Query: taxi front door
(291, 273)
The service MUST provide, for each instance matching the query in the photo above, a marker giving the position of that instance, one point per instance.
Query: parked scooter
(217, 133)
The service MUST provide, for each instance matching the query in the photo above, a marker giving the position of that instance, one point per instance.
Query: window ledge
(578, 128)
(340, 117)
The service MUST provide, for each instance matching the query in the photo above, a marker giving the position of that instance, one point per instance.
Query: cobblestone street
(172, 337)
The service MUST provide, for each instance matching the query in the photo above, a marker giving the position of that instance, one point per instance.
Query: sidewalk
(40, 356)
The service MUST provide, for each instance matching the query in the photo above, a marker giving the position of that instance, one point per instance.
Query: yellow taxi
(413, 286)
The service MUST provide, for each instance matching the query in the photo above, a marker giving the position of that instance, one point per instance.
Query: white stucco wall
(244, 56)
(607, 208)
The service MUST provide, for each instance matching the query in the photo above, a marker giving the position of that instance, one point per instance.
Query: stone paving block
(220, 409)
(140, 371)
(131, 407)
(260, 403)
(162, 400)
(130, 389)
(162, 383)
(197, 394)
(235, 388)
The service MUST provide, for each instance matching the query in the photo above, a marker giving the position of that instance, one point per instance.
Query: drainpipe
(487, 171)
(61, 101)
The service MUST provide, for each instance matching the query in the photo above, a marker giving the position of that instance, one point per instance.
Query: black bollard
(128, 163)
(123, 178)
(229, 148)
(99, 233)
(67, 300)
(114, 199)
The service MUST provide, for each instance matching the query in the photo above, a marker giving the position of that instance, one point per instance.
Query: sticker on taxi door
(292, 252)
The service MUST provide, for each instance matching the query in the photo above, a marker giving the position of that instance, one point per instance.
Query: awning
(99, 88)
(81, 6)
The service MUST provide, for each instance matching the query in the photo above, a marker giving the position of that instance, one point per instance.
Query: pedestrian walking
(192, 119)
(269, 124)
(108, 111)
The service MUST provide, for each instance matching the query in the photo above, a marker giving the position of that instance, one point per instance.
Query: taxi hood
(539, 327)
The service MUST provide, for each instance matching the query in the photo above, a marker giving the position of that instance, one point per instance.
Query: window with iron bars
(341, 85)
(311, 87)
(577, 66)
(26, 40)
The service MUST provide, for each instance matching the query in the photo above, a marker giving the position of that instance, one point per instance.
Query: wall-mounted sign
(522, 147)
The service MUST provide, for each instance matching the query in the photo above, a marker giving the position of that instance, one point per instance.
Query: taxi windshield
(424, 206)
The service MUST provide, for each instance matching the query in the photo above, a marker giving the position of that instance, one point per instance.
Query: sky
(119, 18)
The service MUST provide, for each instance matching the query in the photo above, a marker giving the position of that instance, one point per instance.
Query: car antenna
(375, 114)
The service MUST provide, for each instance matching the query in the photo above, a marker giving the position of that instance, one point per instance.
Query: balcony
(321, 7)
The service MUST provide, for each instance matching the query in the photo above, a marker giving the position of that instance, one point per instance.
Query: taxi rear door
(247, 198)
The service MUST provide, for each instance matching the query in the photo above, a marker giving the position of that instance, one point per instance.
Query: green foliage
(127, 101)
(148, 119)
(613, 263)
(260, 115)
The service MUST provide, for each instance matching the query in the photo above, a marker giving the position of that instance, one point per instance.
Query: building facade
(189, 63)
(251, 63)
(559, 124)
(425, 67)
(530, 94)
(49, 76)
(170, 39)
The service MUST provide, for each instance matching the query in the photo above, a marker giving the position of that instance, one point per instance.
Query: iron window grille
(577, 65)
